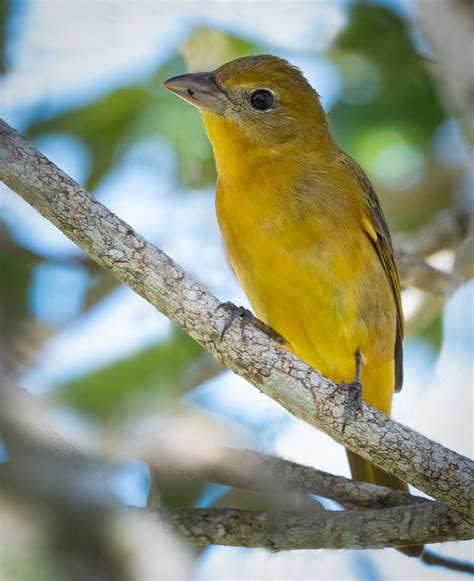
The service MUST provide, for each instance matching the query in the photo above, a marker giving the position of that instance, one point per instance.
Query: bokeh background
(82, 80)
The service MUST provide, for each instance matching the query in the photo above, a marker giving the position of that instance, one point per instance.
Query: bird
(303, 230)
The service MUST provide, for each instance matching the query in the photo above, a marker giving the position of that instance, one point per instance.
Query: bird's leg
(354, 391)
(246, 317)
(244, 314)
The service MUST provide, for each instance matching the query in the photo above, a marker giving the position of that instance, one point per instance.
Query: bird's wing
(377, 230)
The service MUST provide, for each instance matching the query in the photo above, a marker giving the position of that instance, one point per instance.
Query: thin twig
(431, 558)
(454, 52)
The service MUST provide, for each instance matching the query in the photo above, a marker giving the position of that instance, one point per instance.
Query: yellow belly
(311, 285)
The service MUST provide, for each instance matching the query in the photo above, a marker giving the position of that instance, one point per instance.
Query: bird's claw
(354, 399)
(245, 317)
(244, 314)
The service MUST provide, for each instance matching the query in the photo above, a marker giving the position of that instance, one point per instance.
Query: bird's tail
(362, 469)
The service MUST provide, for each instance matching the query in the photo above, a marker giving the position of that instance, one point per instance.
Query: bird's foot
(246, 317)
(354, 399)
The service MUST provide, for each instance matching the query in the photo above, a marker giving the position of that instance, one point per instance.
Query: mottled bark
(255, 471)
(308, 395)
(373, 529)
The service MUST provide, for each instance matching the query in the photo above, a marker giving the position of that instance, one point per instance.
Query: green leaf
(20, 563)
(100, 126)
(131, 384)
(405, 99)
(109, 126)
(432, 333)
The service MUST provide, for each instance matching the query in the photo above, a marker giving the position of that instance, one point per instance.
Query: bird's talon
(235, 312)
(226, 305)
(354, 399)
(245, 317)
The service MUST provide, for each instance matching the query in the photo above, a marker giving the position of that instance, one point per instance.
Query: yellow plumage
(303, 228)
(324, 291)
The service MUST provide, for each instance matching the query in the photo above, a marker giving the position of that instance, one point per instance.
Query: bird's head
(258, 102)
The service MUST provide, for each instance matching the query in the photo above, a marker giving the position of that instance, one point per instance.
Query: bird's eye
(262, 99)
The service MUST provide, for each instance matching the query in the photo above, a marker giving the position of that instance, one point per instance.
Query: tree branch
(447, 230)
(439, 20)
(373, 529)
(433, 559)
(245, 469)
(436, 470)
(61, 472)
(252, 470)
(48, 470)
(416, 272)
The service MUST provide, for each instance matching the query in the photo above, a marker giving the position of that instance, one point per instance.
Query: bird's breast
(305, 272)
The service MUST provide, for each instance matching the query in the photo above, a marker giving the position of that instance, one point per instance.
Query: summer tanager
(303, 229)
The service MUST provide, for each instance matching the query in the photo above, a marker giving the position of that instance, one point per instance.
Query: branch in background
(252, 470)
(464, 263)
(203, 369)
(415, 272)
(448, 26)
(447, 230)
(45, 469)
(373, 529)
(451, 229)
(59, 504)
(433, 559)
(245, 469)
(437, 471)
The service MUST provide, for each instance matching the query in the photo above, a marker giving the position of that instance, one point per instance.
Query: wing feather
(378, 232)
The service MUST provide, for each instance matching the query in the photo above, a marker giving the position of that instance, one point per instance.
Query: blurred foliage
(21, 332)
(100, 126)
(385, 82)
(17, 270)
(134, 382)
(171, 491)
(4, 5)
(432, 333)
(388, 114)
(107, 127)
(20, 564)
(225, 47)
(128, 115)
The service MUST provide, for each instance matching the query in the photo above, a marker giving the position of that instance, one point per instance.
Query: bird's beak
(200, 90)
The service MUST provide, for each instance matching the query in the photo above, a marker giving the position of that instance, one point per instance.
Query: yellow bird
(303, 229)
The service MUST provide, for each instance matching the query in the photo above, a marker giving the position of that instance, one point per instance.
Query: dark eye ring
(262, 99)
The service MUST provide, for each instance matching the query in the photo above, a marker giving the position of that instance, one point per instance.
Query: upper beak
(199, 89)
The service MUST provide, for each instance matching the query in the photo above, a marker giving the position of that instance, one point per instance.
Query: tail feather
(365, 471)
